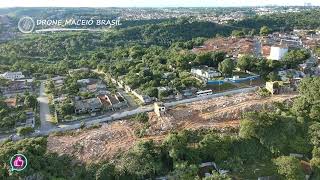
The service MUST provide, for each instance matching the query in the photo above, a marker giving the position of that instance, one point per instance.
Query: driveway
(44, 110)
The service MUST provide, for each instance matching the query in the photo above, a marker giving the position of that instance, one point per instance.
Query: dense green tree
(142, 160)
(279, 133)
(238, 33)
(217, 176)
(264, 30)
(23, 131)
(306, 105)
(314, 133)
(106, 171)
(30, 101)
(50, 86)
(185, 171)
(245, 62)
(289, 168)
(315, 162)
(215, 148)
(66, 108)
(295, 57)
(226, 67)
(151, 91)
(273, 76)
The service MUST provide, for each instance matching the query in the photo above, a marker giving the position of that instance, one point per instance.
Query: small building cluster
(14, 88)
(93, 95)
(12, 75)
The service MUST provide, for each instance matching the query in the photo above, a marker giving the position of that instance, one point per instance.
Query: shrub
(263, 92)
(22, 131)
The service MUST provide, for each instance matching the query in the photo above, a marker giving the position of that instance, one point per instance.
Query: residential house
(205, 72)
(113, 102)
(93, 86)
(84, 82)
(60, 98)
(74, 71)
(29, 121)
(58, 81)
(12, 75)
(16, 87)
(88, 105)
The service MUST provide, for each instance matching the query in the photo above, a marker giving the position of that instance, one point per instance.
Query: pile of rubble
(160, 125)
(107, 142)
(222, 102)
(95, 144)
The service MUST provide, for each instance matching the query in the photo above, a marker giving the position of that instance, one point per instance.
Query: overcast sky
(149, 3)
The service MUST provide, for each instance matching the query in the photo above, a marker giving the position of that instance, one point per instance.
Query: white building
(12, 75)
(205, 72)
(277, 52)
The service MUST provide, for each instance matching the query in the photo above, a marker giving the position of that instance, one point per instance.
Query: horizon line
(120, 7)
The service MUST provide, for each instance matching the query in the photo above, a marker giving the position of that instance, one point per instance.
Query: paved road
(44, 110)
(257, 47)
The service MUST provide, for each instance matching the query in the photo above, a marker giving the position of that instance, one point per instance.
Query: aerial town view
(160, 90)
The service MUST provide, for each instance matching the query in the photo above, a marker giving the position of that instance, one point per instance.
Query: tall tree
(289, 168)
(264, 30)
(226, 67)
(30, 101)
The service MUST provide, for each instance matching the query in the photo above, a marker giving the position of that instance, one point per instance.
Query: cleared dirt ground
(115, 138)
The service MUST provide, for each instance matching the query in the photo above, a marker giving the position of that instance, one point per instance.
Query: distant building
(58, 81)
(277, 52)
(80, 70)
(88, 81)
(12, 75)
(205, 72)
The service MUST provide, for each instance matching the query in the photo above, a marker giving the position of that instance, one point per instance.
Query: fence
(240, 80)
